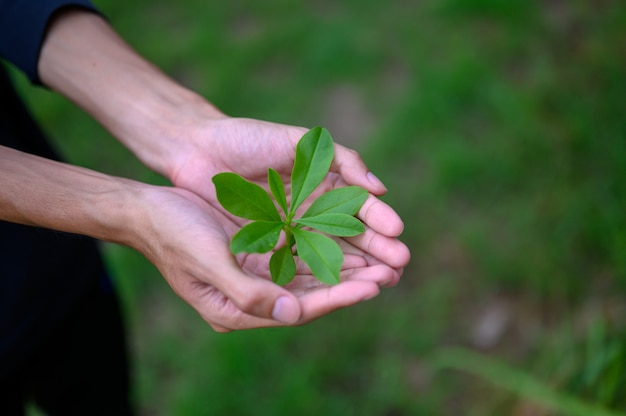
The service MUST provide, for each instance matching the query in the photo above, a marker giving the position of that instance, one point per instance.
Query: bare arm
(44, 193)
(182, 230)
(173, 228)
(85, 60)
(182, 235)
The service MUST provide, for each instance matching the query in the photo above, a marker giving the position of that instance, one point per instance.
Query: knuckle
(354, 155)
(249, 302)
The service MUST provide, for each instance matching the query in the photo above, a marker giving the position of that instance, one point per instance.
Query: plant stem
(289, 236)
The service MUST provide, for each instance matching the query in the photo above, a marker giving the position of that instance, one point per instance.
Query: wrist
(86, 61)
(166, 129)
(115, 211)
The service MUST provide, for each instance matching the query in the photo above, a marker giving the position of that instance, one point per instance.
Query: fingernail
(285, 310)
(375, 181)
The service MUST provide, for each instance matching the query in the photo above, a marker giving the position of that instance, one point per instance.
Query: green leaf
(341, 225)
(244, 199)
(282, 266)
(347, 200)
(278, 189)
(314, 154)
(256, 237)
(321, 254)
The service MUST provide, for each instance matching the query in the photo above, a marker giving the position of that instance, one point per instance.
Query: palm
(235, 292)
(251, 148)
(219, 286)
(247, 147)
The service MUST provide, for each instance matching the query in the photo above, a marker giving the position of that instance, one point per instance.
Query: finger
(350, 166)
(223, 316)
(387, 250)
(371, 261)
(381, 217)
(323, 301)
(353, 261)
(317, 302)
(254, 295)
(382, 275)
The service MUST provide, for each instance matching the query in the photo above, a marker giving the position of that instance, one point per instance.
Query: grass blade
(517, 381)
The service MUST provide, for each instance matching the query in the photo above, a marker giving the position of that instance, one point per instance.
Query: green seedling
(332, 213)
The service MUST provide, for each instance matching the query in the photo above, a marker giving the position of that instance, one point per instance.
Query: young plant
(331, 213)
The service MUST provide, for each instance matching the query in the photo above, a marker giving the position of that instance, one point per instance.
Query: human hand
(248, 147)
(187, 239)
(181, 234)
(180, 135)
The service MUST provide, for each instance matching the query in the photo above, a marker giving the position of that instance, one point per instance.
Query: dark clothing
(61, 337)
(23, 24)
(80, 368)
(42, 272)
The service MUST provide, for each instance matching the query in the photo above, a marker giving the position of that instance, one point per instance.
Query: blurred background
(499, 127)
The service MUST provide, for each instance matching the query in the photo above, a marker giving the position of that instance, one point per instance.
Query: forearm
(41, 192)
(85, 60)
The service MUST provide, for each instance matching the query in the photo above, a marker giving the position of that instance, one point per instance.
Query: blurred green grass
(500, 130)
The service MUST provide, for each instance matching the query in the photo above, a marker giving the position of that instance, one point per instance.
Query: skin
(182, 229)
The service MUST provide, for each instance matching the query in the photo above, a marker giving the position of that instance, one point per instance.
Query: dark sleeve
(23, 25)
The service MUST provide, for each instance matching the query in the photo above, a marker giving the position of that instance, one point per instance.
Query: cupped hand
(249, 147)
(187, 239)
(184, 232)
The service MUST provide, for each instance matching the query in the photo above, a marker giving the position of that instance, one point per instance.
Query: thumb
(257, 296)
(286, 309)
